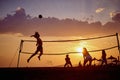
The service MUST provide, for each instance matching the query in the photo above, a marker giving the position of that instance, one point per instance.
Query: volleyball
(40, 16)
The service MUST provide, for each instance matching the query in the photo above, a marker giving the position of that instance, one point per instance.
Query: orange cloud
(20, 23)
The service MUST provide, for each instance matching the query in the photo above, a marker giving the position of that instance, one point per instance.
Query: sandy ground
(61, 73)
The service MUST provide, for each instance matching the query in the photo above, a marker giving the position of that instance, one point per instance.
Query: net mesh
(61, 47)
(56, 46)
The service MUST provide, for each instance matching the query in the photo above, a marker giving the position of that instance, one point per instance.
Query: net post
(21, 45)
(118, 42)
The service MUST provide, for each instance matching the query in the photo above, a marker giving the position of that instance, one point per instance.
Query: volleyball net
(71, 45)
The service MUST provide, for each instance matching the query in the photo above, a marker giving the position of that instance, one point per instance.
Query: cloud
(23, 24)
(112, 14)
(18, 34)
(99, 10)
(12, 34)
(116, 16)
(19, 9)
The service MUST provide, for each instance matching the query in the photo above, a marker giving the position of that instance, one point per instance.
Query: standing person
(87, 57)
(39, 46)
(68, 62)
(104, 60)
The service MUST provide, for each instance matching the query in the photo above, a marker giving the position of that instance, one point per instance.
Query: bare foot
(28, 60)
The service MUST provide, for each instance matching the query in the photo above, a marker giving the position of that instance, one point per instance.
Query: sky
(91, 10)
(62, 19)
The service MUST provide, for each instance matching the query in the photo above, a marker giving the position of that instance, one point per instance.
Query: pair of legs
(86, 60)
(67, 64)
(104, 61)
(39, 48)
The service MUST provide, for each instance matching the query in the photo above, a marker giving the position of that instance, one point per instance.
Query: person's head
(36, 35)
(103, 52)
(67, 55)
(85, 52)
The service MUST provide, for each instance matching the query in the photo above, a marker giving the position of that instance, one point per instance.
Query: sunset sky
(91, 10)
(62, 19)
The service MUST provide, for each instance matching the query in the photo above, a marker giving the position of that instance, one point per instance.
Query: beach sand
(61, 73)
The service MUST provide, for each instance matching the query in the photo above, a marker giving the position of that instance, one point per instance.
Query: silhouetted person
(104, 60)
(68, 62)
(79, 64)
(87, 57)
(39, 46)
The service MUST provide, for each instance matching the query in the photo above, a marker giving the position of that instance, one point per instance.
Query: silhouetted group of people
(87, 57)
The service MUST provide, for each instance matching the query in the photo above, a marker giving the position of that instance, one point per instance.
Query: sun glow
(80, 50)
(80, 46)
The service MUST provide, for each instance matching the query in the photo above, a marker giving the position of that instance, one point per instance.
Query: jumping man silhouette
(39, 46)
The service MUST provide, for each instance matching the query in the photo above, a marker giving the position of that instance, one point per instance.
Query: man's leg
(90, 62)
(65, 64)
(71, 64)
(32, 56)
(85, 61)
(41, 52)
